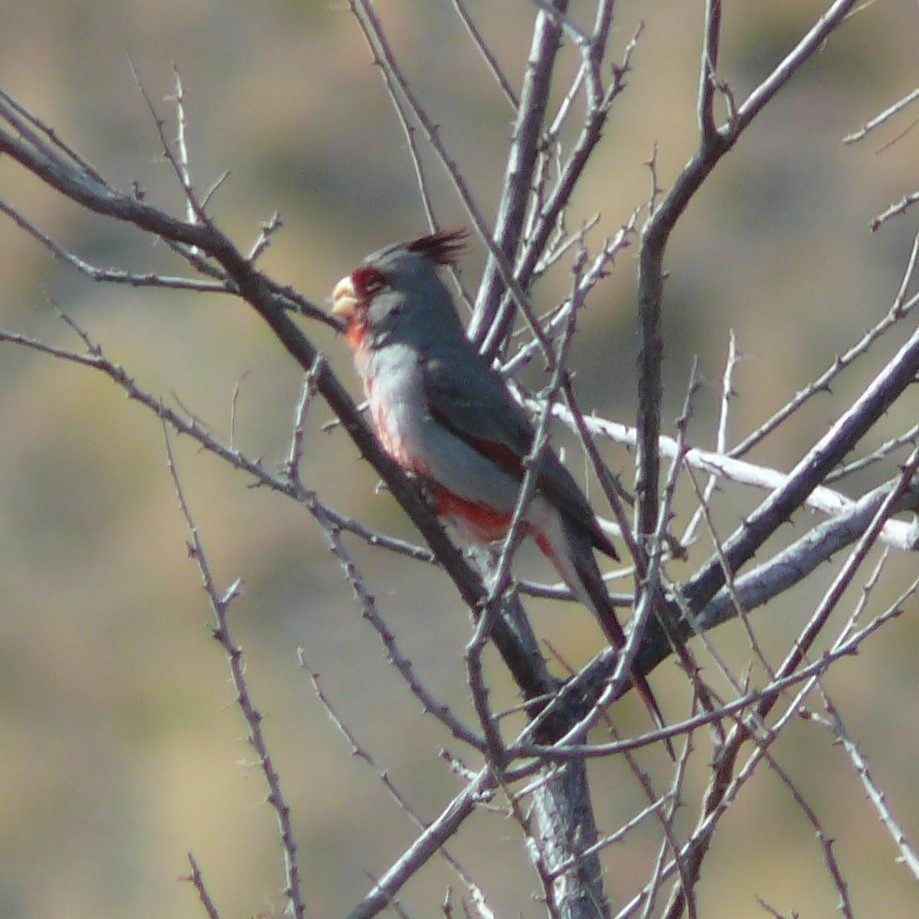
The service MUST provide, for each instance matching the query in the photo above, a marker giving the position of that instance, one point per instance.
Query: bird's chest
(395, 393)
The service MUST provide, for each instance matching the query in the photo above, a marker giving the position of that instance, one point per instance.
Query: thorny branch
(220, 605)
(713, 145)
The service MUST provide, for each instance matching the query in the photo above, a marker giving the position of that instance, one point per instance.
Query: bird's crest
(442, 248)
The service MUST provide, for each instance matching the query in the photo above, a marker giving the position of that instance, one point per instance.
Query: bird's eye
(369, 281)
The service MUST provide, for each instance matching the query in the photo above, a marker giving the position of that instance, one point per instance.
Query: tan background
(121, 749)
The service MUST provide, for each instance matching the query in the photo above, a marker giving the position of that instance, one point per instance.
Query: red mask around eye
(368, 282)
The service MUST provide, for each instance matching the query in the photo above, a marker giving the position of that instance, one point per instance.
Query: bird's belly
(466, 487)
(395, 435)
(396, 412)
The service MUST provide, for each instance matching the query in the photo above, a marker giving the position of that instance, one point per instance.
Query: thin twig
(655, 237)
(570, 747)
(822, 499)
(371, 613)
(298, 432)
(95, 359)
(487, 54)
(721, 438)
(386, 781)
(541, 226)
(194, 213)
(196, 879)
(26, 120)
(113, 275)
(908, 856)
(821, 384)
(220, 605)
(883, 452)
(895, 210)
(884, 116)
(521, 164)
(181, 163)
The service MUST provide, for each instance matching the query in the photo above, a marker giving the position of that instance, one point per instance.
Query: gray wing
(470, 399)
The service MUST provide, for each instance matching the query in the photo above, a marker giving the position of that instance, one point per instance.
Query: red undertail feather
(485, 523)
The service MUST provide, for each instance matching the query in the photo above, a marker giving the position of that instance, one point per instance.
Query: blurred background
(122, 749)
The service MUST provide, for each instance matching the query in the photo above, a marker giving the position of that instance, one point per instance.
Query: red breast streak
(355, 333)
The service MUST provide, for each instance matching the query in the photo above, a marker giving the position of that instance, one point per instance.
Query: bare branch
(112, 275)
(493, 332)
(521, 163)
(655, 237)
(807, 46)
(826, 841)
(883, 117)
(194, 212)
(895, 210)
(721, 439)
(707, 80)
(197, 881)
(220, 605)
(370, 612)
(360, 751)
(909, 857)
(379, 45)
(269, 302)
(95, 359)
(721, 791)
(899, 310)
(536, 745)
(426, 845)
(822, 499)
(487, 54)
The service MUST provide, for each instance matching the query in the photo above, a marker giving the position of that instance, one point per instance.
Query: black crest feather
(442, 248)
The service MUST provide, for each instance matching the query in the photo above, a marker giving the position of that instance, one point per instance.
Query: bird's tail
(590, 589)
(574, 560)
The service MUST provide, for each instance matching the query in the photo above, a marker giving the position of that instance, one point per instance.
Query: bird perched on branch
(448, 419)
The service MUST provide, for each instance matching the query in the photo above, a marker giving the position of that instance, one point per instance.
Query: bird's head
(395, 293)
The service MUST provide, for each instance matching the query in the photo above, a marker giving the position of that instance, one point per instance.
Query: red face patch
(368, 282)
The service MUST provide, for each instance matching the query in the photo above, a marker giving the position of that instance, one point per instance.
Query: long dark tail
(574, 560)
(599, 603)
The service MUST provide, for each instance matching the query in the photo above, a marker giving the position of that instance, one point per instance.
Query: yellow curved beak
(344, 299)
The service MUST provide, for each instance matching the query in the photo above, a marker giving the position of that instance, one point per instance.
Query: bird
(448, 419)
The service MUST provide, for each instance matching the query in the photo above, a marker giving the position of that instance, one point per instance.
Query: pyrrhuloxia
(448, 418)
